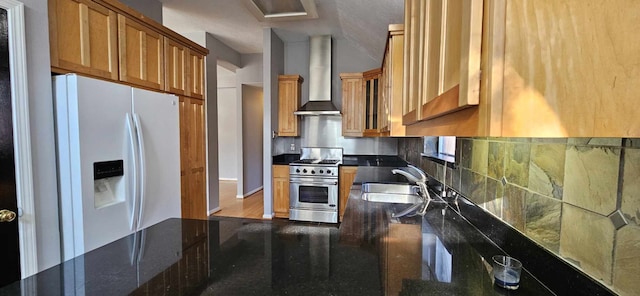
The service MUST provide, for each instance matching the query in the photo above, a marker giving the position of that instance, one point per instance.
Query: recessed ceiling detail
(282, 10)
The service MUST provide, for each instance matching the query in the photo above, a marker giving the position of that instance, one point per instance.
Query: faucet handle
(407, 175)
(423, 176)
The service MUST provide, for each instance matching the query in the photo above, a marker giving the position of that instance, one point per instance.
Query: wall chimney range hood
(319, 78)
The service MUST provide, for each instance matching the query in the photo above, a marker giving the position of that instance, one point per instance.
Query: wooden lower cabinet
(281, 191)
(347, 176)
(193, 158)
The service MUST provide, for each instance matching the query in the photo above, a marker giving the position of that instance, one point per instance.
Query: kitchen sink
(390, 193)
(391, 198)
(390, 188)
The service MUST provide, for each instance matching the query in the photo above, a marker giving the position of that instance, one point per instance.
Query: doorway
(239, 135)
(10, 248)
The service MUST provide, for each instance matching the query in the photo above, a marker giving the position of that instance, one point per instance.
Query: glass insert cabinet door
(372, 99)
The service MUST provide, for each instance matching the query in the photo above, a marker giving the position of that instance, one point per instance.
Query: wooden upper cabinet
(453, 50)
(532, 85)
(372, 102)
(414, 23)
(141, 54)
(289, 94)
(196, 75)
(567, 79)
(384, 96)
(443, 40)
(176, 61)
(392, 84)
(353, 105)
(83, 38)
(361, 103)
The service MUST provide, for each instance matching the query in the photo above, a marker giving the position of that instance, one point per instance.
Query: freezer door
(158, 128)
(91, 128)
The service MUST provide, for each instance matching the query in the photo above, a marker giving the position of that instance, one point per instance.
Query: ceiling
(362, 22)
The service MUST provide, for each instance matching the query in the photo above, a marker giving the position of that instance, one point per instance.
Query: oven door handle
(311, 183)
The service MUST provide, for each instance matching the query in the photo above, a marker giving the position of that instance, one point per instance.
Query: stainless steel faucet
(421, 181)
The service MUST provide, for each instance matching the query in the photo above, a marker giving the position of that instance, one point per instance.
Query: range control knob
(321, 171)
(297, 170)
(313, 172)
(329, 172)
(304, 171)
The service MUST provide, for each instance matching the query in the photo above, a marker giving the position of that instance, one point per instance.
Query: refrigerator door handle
(134, 174)
(143, 171)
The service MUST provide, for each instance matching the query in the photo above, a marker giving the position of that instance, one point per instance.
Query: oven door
(313, 193)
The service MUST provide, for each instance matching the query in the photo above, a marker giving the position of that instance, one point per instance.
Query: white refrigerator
(118, 161)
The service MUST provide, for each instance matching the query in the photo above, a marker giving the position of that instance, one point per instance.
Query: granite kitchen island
(367, 254)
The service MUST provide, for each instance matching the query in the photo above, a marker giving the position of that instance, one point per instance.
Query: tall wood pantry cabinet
(193, 158)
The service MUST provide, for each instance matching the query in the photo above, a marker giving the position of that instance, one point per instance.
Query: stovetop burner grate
(316, 161)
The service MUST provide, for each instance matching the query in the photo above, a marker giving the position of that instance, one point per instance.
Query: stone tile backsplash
(566, 194)
(592, 178)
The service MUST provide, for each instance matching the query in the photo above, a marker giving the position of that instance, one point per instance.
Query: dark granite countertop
(373, 160)
(284, 159)
(367, 254)
(350, 160)
(453, 258)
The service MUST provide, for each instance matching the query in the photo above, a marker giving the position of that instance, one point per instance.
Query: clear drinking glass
(506, 272)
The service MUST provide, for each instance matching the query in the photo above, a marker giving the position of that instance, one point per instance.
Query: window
(447, 146)
(443, 148)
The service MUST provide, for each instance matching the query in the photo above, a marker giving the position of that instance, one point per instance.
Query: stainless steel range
(313, 184)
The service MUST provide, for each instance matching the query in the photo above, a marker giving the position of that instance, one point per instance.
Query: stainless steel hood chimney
(319, 78)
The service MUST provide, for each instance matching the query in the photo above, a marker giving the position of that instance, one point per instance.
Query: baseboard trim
(212, 211)
(268, 216)
(250, 192)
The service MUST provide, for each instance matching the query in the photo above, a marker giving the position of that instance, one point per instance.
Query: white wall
(228, 151)
(211, 104)
(42, 133)
(227, 133)
(252, 121)
(273, 52)
(149, 8)
(345, 57)
(249, 74)
(226, 77)
(331, 136)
